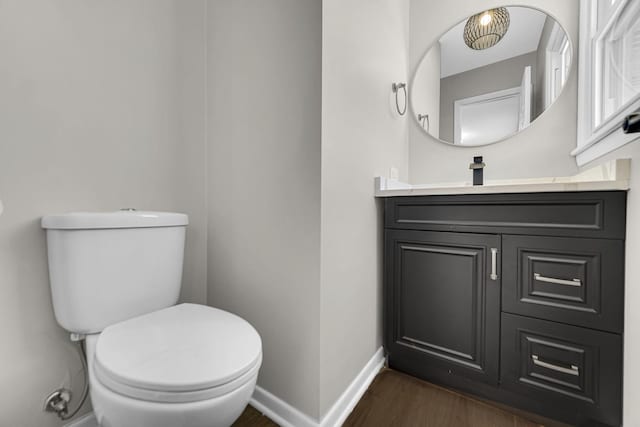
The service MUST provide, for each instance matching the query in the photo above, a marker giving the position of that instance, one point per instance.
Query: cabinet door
(442, 303)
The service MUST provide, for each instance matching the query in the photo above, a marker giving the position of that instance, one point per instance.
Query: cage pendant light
(486, 29)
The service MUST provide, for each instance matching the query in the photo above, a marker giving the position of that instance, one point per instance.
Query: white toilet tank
(111, 266)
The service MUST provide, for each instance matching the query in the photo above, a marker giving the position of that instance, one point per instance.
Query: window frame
(596, 141)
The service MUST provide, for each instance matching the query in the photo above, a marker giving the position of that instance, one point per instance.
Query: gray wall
(101, 107)
(540, 78)
(425, 90)
(364, 51)
(545, 145)
(264, 94)
(501, 75)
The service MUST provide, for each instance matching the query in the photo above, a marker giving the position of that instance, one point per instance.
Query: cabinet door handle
(494, 264)
(574, 370)
(573, 282)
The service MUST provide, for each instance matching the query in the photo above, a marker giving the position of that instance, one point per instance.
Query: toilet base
(113, 410)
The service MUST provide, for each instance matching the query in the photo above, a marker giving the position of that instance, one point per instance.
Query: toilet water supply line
(58, 401)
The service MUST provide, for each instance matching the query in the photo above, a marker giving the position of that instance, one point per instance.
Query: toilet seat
(184, 353)
(160, 396)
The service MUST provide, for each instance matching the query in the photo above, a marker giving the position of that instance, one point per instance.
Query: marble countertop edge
(612, 175)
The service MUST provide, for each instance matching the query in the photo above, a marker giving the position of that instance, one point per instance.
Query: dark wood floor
(252, 418)
(398, 400)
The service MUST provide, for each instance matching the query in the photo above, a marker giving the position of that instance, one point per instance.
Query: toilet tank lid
(126, 218)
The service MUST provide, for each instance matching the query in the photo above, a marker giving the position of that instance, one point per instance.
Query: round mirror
(490, 76)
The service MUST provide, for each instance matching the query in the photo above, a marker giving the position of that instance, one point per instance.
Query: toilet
(115, 280)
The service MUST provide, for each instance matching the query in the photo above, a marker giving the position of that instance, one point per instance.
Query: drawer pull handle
(573, 282)
(494, 263)
(574, 370)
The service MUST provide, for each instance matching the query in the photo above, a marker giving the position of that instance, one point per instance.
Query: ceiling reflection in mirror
(491, 76)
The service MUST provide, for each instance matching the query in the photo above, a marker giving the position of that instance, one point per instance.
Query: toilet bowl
(184, 366)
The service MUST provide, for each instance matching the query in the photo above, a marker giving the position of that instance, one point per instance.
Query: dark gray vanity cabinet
(517, 298)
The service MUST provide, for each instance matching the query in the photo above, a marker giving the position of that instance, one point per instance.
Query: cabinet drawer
(576, 281)
(587, 214)
(571, 369)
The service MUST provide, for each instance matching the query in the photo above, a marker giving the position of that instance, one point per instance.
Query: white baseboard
(341, 409)
(87, 420)
(280, 411)
(287, 416)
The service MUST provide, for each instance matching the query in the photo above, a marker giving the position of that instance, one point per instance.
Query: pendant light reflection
(486, 29)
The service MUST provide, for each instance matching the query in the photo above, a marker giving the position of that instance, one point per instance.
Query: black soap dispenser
(477, 167)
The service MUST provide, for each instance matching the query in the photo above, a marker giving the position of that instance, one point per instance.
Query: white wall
(101, 107)
(527, 154)
(631, 381)
(264, 77)
(364, 51)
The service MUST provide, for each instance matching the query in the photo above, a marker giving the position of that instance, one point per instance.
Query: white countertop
(613, 175)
